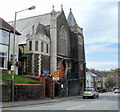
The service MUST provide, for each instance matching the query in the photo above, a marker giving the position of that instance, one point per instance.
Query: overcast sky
(98, 18)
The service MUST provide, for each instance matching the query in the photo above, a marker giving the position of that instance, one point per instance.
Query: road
(106, 101)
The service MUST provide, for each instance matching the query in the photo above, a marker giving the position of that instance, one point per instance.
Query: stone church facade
(55, 43)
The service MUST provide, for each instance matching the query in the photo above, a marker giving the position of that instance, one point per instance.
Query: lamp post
(13, 66)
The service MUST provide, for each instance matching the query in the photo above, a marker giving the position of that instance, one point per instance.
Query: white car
(117, 91)
(90, 92)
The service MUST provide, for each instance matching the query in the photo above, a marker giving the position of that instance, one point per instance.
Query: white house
(6, 44)
(95, 78)
(90, 79)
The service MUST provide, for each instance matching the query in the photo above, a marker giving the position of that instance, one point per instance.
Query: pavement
(37, 102)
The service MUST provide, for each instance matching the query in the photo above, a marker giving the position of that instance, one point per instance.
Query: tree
(110, 82)
(116, 69)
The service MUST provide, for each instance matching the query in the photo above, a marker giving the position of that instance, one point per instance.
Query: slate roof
(71, 20)
(5, 26)
(99, 73)
(40, 29)
(24, 26)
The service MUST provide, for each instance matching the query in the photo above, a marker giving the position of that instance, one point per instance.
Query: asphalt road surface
(106, 101)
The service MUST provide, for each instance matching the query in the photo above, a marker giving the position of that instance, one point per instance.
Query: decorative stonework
(63, 32)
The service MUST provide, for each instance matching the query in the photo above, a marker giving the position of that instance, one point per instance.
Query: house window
(42, 46)
(36, 45)
(30, 45)
(3, 60)
(47, 48)
(4, 37)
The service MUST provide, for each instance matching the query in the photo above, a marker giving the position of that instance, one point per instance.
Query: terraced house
(52, 42)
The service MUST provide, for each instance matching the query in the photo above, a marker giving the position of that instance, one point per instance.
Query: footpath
(37, 102)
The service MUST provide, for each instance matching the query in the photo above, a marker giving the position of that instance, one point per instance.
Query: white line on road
(96, 101)
(75, 107)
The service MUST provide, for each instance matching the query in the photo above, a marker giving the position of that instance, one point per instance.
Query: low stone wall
(6, 93)
(28, 92)
(23, 92)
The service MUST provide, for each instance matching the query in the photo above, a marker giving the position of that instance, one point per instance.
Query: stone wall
(6, 93)
(36, 64)
(28, 92)
(73, 87)
(22, 92)
(63, 43)
(29, 63)
(45, 62)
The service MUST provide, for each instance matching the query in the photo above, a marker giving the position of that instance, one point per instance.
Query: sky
(98, 18)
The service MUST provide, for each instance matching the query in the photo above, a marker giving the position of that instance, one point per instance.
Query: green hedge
(19, 79)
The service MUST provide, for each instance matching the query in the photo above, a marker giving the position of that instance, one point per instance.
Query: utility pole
(53, 89)
(13, 66)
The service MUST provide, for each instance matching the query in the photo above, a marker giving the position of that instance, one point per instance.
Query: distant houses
(95, 78)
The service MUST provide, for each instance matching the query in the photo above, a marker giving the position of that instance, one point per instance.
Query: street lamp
(13, 66)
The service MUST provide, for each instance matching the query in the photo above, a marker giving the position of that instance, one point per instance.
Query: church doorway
(57, 86)
(63, 68)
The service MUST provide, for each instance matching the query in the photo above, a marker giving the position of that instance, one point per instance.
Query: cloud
(101, 24)
(102, 65)
(97, 48)
(109, 36)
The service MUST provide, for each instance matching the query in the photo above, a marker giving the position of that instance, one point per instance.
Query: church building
(54, 43)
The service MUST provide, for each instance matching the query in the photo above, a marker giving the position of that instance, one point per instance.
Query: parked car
(117, 90)
(90, 92)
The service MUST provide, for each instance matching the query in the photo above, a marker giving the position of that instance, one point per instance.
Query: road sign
(56, 78)
(12, 68)
(55, 73)
(46, 72)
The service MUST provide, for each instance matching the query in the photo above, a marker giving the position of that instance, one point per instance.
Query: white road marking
(75, 107)
(96, 101)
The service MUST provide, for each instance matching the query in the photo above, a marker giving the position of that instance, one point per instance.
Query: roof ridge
(32, 17)
(6, 26)
(29, 17)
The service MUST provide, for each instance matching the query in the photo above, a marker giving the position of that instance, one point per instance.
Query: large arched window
(62, 41)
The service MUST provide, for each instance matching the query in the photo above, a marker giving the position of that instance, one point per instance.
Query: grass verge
(18, 79)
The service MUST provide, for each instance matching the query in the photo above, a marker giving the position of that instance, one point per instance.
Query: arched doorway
(63, 68)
